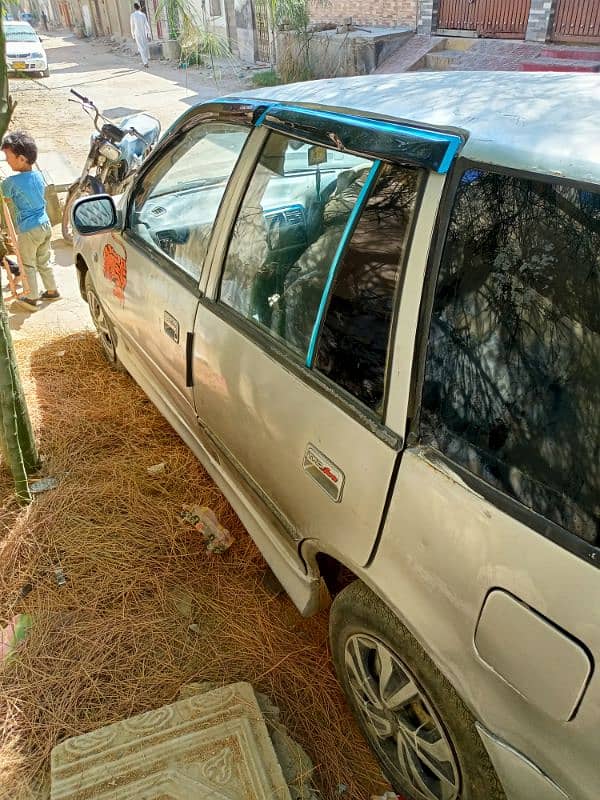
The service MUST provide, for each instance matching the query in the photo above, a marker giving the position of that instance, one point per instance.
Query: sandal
(50, 295)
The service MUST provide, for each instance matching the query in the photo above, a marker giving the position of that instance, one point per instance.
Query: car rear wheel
(419, 728)
(103, 326)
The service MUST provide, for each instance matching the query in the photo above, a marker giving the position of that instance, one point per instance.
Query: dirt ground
(118, 85)
(144, 608)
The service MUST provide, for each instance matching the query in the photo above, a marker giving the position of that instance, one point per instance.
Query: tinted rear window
(512, 385)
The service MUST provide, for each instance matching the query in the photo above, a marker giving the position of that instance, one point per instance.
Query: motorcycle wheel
(91, 185)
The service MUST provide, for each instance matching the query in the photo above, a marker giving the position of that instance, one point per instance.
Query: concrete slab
(211, 746)
(296, 766)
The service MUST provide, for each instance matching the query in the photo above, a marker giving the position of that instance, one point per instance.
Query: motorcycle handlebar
(81, 97)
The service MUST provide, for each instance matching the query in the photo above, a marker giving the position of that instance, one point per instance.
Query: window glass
(175, 208)
(354, 340)
(21, 34)
(286, 235)
(512, 384)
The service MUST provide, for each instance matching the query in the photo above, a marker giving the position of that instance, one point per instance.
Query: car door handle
(189, 353)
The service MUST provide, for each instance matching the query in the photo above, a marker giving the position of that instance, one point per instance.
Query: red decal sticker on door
(115, 269)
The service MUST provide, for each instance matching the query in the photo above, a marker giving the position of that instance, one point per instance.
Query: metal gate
(504, 19)
(262, 32)
(577, 21)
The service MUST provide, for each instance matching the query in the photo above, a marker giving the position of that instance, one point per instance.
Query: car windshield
(20, 35)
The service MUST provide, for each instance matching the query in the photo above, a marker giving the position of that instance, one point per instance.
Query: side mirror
(96, 214)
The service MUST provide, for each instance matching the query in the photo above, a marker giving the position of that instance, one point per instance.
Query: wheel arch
(336, 573)
(82, 268)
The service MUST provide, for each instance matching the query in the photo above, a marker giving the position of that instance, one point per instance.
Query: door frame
(493, 19)
(562, 10)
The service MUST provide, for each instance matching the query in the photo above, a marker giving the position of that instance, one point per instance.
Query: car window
(24, 34)
(286, 235)
(512, 381)
(355, 337)
(176, 205)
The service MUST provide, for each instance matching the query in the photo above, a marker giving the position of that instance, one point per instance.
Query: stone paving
(415, 49)
(484, 54)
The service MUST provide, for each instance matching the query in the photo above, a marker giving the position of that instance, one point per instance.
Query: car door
(169, 222)
(491, 545)
(291, 343)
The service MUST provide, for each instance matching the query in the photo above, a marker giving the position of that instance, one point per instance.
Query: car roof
(547, 123)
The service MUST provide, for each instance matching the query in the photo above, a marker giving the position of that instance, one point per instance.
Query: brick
(378, 13)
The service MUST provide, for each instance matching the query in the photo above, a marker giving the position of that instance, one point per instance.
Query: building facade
(575, 21)
(246, 24)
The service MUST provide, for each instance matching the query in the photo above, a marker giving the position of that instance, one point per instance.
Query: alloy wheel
(400, 720)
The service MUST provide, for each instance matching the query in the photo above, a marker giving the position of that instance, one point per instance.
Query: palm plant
(188, 22)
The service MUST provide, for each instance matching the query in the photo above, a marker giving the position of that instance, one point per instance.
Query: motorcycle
(115, 156)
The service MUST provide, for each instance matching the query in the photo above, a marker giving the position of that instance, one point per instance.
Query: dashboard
(180, 222)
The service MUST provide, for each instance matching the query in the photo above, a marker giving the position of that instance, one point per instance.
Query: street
(118, 85)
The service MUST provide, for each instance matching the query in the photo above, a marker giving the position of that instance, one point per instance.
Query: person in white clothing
(141, 33)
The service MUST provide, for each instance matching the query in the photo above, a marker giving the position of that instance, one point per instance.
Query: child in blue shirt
(26, 192)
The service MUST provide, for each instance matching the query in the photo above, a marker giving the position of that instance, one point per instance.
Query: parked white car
(370, 306)
(24, 50)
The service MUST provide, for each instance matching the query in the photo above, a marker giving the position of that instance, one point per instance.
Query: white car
(370, 306)
(24, 49)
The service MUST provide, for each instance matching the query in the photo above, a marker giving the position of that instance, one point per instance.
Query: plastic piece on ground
(59, 576)
(218, 539)
(14, 633)
(43, 485)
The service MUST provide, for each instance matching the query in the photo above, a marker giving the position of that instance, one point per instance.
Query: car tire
(419, 728)
(104, 328)
(91, 185)
(46, 73)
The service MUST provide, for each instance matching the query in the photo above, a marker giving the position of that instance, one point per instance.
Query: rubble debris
(218, 539)
(59, 576)
(156, 469)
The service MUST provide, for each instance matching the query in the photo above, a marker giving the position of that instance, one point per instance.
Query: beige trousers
(36, 255)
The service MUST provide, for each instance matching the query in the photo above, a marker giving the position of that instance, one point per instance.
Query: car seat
(297, 308)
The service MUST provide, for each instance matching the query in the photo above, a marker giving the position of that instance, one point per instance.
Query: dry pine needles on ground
(115, 639)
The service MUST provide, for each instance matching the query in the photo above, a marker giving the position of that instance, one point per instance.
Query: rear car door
(291, 342)
(491, 544)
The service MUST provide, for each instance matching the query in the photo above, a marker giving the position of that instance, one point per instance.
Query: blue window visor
(381, 140)
(348, 231)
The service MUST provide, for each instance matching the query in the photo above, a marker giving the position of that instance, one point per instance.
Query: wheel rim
(400, 720)
(99, 320)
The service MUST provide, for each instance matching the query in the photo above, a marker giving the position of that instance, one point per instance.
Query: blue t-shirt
(26, 190)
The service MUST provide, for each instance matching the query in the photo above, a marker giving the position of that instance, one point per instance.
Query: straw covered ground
(115, 639)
